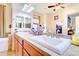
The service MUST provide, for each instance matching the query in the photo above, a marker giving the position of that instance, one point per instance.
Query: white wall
(63, 14)
(77, 25)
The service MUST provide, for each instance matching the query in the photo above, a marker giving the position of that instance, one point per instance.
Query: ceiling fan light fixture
(54, 9)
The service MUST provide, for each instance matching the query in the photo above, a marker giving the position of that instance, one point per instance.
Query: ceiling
(43, 7)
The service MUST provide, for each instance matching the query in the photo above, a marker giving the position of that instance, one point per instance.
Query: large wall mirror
(23, 22)
(69, 22)
(19, 22)
(73, 20)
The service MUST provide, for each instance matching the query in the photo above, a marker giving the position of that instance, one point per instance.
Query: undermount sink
(59, 45)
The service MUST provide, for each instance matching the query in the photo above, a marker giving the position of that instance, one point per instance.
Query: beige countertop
(72, 50)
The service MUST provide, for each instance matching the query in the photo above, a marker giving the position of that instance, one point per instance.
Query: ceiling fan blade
(51, 6)
(58, 4)
(62, 6)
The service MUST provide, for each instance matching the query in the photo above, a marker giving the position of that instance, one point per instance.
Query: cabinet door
(16, 47)
(20, 49)
(31, 50)
(18, 39)
(25, 53)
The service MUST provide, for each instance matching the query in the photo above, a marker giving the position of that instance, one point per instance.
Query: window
(36, 22)
(27, 23)
(23, 22)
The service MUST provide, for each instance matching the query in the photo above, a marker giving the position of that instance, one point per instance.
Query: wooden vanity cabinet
(25, 48)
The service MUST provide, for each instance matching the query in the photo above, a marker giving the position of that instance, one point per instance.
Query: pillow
(75, 40)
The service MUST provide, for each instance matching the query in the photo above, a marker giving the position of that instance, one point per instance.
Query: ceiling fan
(56, 5)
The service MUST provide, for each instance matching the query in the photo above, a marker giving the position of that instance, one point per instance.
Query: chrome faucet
(50, 34)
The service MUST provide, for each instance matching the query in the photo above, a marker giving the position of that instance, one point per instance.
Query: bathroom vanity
(25, 48)
(26, 44)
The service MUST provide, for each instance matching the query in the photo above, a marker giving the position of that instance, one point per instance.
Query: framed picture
(56, 17)
(58, 29)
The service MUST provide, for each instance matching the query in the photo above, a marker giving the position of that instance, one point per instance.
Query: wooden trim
(22, 46)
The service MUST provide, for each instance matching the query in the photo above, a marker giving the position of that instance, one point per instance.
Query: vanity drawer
(16, 47)
(32, 51)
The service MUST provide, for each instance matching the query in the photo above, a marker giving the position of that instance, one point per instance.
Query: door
(1, 20)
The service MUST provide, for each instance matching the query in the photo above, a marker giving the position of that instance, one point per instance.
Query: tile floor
(72, 51)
